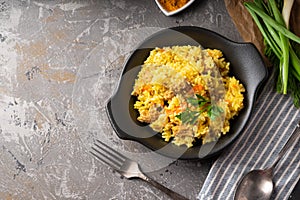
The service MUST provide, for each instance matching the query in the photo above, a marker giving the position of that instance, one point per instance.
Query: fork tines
(107, 154)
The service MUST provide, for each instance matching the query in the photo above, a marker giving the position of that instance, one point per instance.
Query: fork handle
(171, 193)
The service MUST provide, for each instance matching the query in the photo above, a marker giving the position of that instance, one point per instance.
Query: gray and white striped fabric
(271, 124)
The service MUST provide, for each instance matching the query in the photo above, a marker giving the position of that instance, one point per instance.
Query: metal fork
(127, 167)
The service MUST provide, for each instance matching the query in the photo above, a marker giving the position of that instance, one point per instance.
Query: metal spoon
(258, 184)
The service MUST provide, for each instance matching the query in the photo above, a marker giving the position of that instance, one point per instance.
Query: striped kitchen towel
(271, 124)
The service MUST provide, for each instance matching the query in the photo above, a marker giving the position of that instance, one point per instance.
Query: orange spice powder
(171, 5)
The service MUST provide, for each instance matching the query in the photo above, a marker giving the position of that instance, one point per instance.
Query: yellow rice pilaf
(172, 75)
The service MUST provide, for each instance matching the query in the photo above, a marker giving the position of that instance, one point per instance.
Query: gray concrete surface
(60, 61)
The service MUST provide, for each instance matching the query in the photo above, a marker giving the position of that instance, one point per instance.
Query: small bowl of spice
(171, 7)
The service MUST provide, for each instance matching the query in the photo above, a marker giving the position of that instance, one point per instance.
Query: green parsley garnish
(200, 105)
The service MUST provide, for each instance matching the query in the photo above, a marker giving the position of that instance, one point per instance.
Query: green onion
(280, 42)
(276, 25)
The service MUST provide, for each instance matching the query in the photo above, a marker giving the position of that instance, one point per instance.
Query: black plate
(246, 65)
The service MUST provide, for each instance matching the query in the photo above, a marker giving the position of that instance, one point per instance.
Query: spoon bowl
(257, 184)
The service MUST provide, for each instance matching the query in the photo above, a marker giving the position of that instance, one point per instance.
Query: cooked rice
(170, 76)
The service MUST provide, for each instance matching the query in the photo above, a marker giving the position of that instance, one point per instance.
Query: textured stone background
(59, 63)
